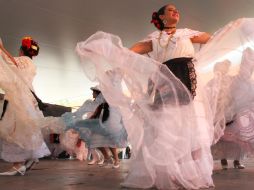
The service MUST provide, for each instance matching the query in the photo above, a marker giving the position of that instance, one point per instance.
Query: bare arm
(201, 39)
(142, 47)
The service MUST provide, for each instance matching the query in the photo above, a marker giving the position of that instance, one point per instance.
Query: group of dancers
(177, 107)
(105, 133)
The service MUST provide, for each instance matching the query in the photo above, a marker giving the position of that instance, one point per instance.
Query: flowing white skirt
(171, 142)
(22, 121)
(225, 68)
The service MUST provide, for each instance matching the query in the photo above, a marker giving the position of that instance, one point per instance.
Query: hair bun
(155, 14)
(29, 46)
(156, 21)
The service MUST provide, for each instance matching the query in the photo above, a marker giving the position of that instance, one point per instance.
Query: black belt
(184, 70)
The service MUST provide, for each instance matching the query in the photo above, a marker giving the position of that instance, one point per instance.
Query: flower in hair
(27, 42)
(158, 25)
(154, 21)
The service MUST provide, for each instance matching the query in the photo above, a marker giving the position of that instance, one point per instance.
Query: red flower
(27, 42)
(154, 21)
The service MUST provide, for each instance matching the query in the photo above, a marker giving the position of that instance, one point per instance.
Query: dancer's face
(171, 14)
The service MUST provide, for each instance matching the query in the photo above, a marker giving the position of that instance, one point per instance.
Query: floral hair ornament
(154, 20)
(154, 14)
(27, 42)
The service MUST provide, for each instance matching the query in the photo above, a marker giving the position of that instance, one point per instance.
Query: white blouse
(25, 68)
(166, 47)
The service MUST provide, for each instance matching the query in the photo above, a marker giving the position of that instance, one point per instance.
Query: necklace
(170, 27)
(170, 35)
(165, 47)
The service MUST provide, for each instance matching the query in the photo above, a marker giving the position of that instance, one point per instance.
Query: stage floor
(76, 175)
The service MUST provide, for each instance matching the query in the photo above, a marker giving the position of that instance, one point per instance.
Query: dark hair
(29, 47)
(96, 91)
(158, 23)
(105, 107)
(106, 113)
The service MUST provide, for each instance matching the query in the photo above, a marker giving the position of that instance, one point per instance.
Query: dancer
(236, 110)
(223, 149)
(104, 129)
(21, 123)
(159, 111)
(84, 112)
(26, 70)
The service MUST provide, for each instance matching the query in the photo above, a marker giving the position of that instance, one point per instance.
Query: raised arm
(201, 39)
(142, 47)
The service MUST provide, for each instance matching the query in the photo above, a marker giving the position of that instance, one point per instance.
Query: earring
(164, 22)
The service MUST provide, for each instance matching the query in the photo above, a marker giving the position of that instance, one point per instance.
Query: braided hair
(158, 23)
(29, 47)
(105, 107)
(106, 112)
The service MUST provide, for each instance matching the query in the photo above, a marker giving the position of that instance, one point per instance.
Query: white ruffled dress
(20, 128)
(171, 142)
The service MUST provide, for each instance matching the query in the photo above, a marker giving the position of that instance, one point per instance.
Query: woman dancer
(104, 129)
(26, 70)
(22, 120)
(161, 116)
(84, 112)
(158, 129)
